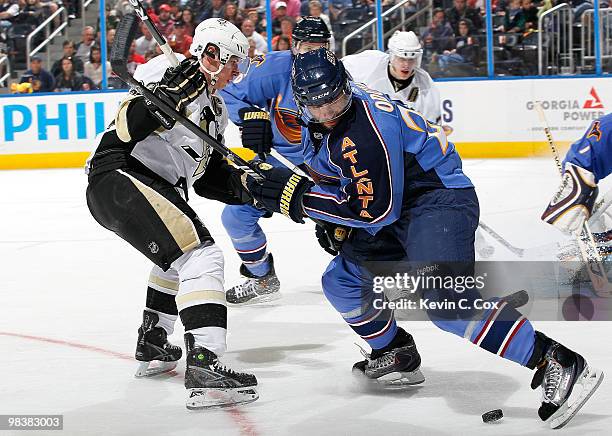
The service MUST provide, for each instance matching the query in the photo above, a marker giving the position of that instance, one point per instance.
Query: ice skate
(396, 365)
(255, 289)
(153, 349)
(567, 382)
(211, 384)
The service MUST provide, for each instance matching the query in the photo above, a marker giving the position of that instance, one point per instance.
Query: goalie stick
(125, 33)
(585, 240)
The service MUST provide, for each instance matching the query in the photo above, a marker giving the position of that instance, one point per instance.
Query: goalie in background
(587, 162)
(139, 176)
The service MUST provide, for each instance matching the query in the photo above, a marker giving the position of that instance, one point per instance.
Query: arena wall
(490, 118)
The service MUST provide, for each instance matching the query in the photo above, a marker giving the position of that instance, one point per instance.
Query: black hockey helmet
(320, 85)
(311, 29)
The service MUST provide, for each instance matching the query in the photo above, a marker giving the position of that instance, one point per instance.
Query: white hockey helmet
(227, 38)
(406, 45)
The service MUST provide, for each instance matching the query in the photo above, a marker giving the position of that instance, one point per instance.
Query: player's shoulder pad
(424, 77)
(154, 69)
(276, 62)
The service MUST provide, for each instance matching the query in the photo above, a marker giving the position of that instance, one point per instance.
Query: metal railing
(45, 25)
(587, 43)
(84, 5)
(5, 60)
(371, 26)
(555, 41)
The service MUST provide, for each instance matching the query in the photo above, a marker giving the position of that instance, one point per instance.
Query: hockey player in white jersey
(139, 177)
(398, 74)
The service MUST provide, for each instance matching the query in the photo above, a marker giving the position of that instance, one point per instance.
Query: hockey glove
(256, 130)
(331, 236)
(178, 87)
(281, 191)
(573, 203)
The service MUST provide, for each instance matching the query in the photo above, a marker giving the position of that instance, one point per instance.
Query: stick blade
(124, 35)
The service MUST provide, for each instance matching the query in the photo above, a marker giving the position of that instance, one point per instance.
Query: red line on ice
(247, 428)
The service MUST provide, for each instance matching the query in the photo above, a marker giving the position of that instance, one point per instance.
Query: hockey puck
(492, 415)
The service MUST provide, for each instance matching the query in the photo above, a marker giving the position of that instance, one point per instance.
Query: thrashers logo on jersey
(595, 132)
(286, 121)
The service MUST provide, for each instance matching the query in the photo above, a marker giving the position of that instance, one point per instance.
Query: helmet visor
(328, 111)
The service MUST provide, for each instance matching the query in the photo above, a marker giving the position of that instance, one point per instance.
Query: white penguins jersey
(370, 68)
(175, 154)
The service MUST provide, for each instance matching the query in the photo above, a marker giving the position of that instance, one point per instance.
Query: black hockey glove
(331, 236)
(180, 86)
(256, 130)
(281, 191)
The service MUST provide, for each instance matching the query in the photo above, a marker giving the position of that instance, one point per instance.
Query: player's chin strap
(213, 74)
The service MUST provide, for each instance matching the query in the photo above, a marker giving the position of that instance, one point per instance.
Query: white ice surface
(72, 297)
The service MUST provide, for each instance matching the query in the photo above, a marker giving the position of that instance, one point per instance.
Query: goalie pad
(573, 203)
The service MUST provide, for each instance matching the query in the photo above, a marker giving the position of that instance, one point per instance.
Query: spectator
(440, 31)
(186, 16)
(93, 67)
(260, 26)
(87, 41)
(248, 29)
(8, 11)
(69, 79)
(179, 40)
(292, 7)
(466, 51)
(315, 9)
(110, 38)
(40, 79)
(461, 10)
(514, 20)
(305, 9)
(215, 10)
(165, 24)
(282, 43)
(531, 14)
(146, 42)
(280, 12)
(35, 10)
(230, 13)
(287, 24)
(68, 47)
(134, 59)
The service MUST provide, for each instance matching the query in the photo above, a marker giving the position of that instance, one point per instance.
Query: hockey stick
(159, 38)
(585, 240)
(124, 36)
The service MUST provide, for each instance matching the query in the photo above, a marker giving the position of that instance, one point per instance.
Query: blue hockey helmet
(308, 34)
(320, 86)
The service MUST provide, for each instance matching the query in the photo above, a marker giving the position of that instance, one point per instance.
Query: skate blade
(401, 379)
(266, 298)
(589, 381)
(199, 399)
(394, 380)
(146, 370)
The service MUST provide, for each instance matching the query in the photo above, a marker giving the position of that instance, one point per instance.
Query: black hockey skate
(255, 289)
(396, 365)
(567, 382)
(153, 349)
(210, 383)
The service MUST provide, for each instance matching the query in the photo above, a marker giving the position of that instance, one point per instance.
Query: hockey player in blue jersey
(262, 104)
(588, 161)
(391, 180)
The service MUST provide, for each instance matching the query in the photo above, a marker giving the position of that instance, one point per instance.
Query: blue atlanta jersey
(267, 85)
(593, 151)
(379, 154)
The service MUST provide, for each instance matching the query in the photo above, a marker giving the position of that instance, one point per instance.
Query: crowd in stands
(454, 40)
